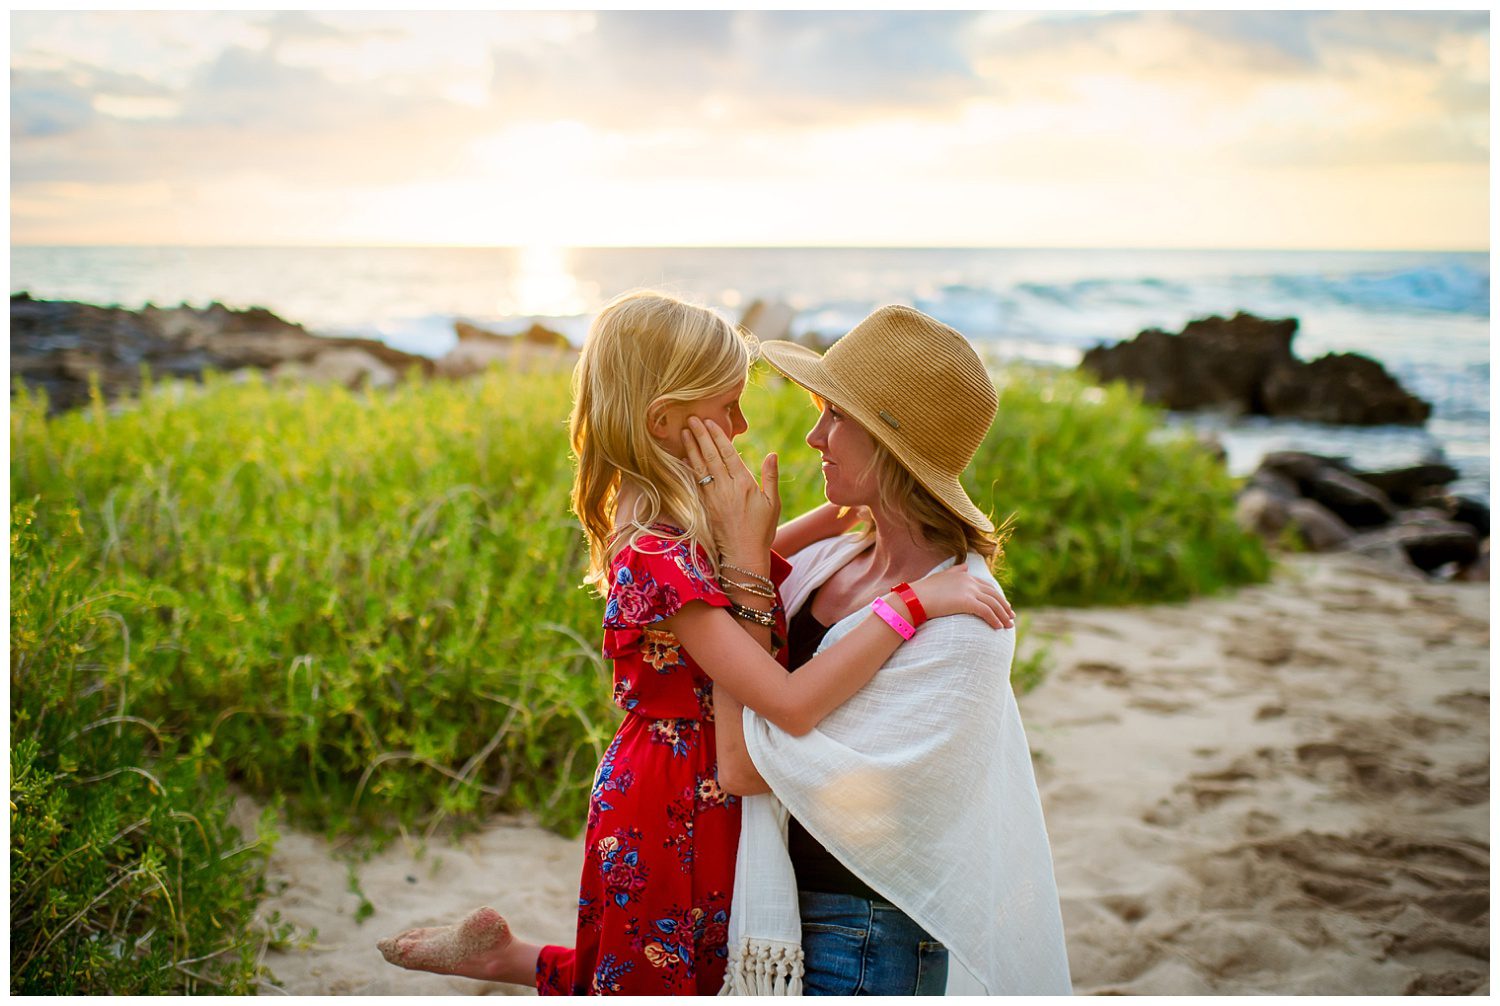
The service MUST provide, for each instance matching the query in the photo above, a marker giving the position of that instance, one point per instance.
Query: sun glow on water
(543, 284)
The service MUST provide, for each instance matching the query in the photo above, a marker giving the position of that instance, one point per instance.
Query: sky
(1200, 129)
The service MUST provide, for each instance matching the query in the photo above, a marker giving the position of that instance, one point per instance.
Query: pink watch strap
(889, 616)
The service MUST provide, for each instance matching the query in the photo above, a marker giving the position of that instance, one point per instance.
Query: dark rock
(1459, 508)
(1300, 466)
(1329, 481)
(1320, 528)
(1214, 363)
(1473, 513)
(1333, 506)
(1421, 515)
(1406, 486)
(1345, 388)
(468, 332)
(536, 335)
(1428, 544)
(541, 335)
(1357, 503)
(1477, 571)
(1275, 483)
(1245, 364)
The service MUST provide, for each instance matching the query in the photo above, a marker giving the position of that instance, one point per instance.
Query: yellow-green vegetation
(124, 876)
(370, 604)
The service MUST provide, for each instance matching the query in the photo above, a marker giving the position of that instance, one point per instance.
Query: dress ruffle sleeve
(653, 579)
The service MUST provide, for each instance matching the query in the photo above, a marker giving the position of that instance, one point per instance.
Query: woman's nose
(815, 438)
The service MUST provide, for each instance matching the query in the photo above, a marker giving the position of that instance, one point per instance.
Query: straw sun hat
(915, 384)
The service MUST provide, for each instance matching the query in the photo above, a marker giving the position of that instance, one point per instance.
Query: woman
(905, 836)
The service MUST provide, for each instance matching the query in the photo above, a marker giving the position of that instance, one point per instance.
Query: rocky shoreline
(61, 346)
(1404, 517)
(1242, 364)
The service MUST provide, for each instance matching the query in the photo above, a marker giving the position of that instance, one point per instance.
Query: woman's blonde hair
(644, 349)
(900, 492)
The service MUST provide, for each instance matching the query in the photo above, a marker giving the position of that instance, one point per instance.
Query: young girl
(656, 384)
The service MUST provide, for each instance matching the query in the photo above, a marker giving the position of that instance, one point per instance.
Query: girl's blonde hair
(645, 348)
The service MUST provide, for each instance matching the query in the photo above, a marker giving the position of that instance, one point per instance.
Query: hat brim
(806, 368)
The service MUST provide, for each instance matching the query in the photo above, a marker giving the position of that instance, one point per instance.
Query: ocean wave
(1449, 288)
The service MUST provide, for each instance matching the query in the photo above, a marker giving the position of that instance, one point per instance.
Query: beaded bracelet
(756, 615)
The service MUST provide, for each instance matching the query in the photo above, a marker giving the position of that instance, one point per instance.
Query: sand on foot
(1280, 790)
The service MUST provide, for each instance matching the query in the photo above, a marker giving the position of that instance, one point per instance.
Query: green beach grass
(369, 605)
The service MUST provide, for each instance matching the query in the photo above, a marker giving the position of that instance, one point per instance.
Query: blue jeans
(855, 947)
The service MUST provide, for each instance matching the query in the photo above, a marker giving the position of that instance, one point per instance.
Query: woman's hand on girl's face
(744, 513)
(956, 591)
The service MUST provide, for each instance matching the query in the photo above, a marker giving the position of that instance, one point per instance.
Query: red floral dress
(660, 844)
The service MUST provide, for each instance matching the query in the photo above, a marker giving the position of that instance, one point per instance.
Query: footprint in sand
(1157, 704)
(1109, 674)
(1390, 771)
(1477, 703)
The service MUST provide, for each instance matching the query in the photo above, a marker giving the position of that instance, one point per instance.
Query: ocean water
(1424, 315)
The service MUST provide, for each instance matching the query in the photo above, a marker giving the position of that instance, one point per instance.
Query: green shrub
(124, 876)
(1107, 507)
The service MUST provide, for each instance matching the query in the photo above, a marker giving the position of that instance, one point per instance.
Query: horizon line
(753, 247)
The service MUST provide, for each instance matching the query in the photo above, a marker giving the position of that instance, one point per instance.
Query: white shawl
(921, 785)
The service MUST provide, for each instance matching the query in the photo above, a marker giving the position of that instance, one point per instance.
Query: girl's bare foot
(474, 948)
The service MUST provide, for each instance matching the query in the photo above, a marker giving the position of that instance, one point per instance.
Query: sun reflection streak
(543, 284)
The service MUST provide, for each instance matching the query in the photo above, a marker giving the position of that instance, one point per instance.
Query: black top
(815, 866)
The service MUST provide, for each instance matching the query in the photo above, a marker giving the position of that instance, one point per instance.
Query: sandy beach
(1280, 790)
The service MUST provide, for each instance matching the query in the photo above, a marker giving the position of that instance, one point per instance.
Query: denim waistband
(841, 902)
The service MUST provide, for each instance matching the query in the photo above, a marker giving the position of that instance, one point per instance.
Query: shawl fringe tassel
(763, 968)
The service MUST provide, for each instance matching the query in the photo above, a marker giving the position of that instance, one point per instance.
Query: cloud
(1266, 43)
(754, 68)
(1303, 88)
(47, 103)
(287, 26)
(660, 36)
(853, 61)
(245, 110)
(1407, 143)
(320, 106)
